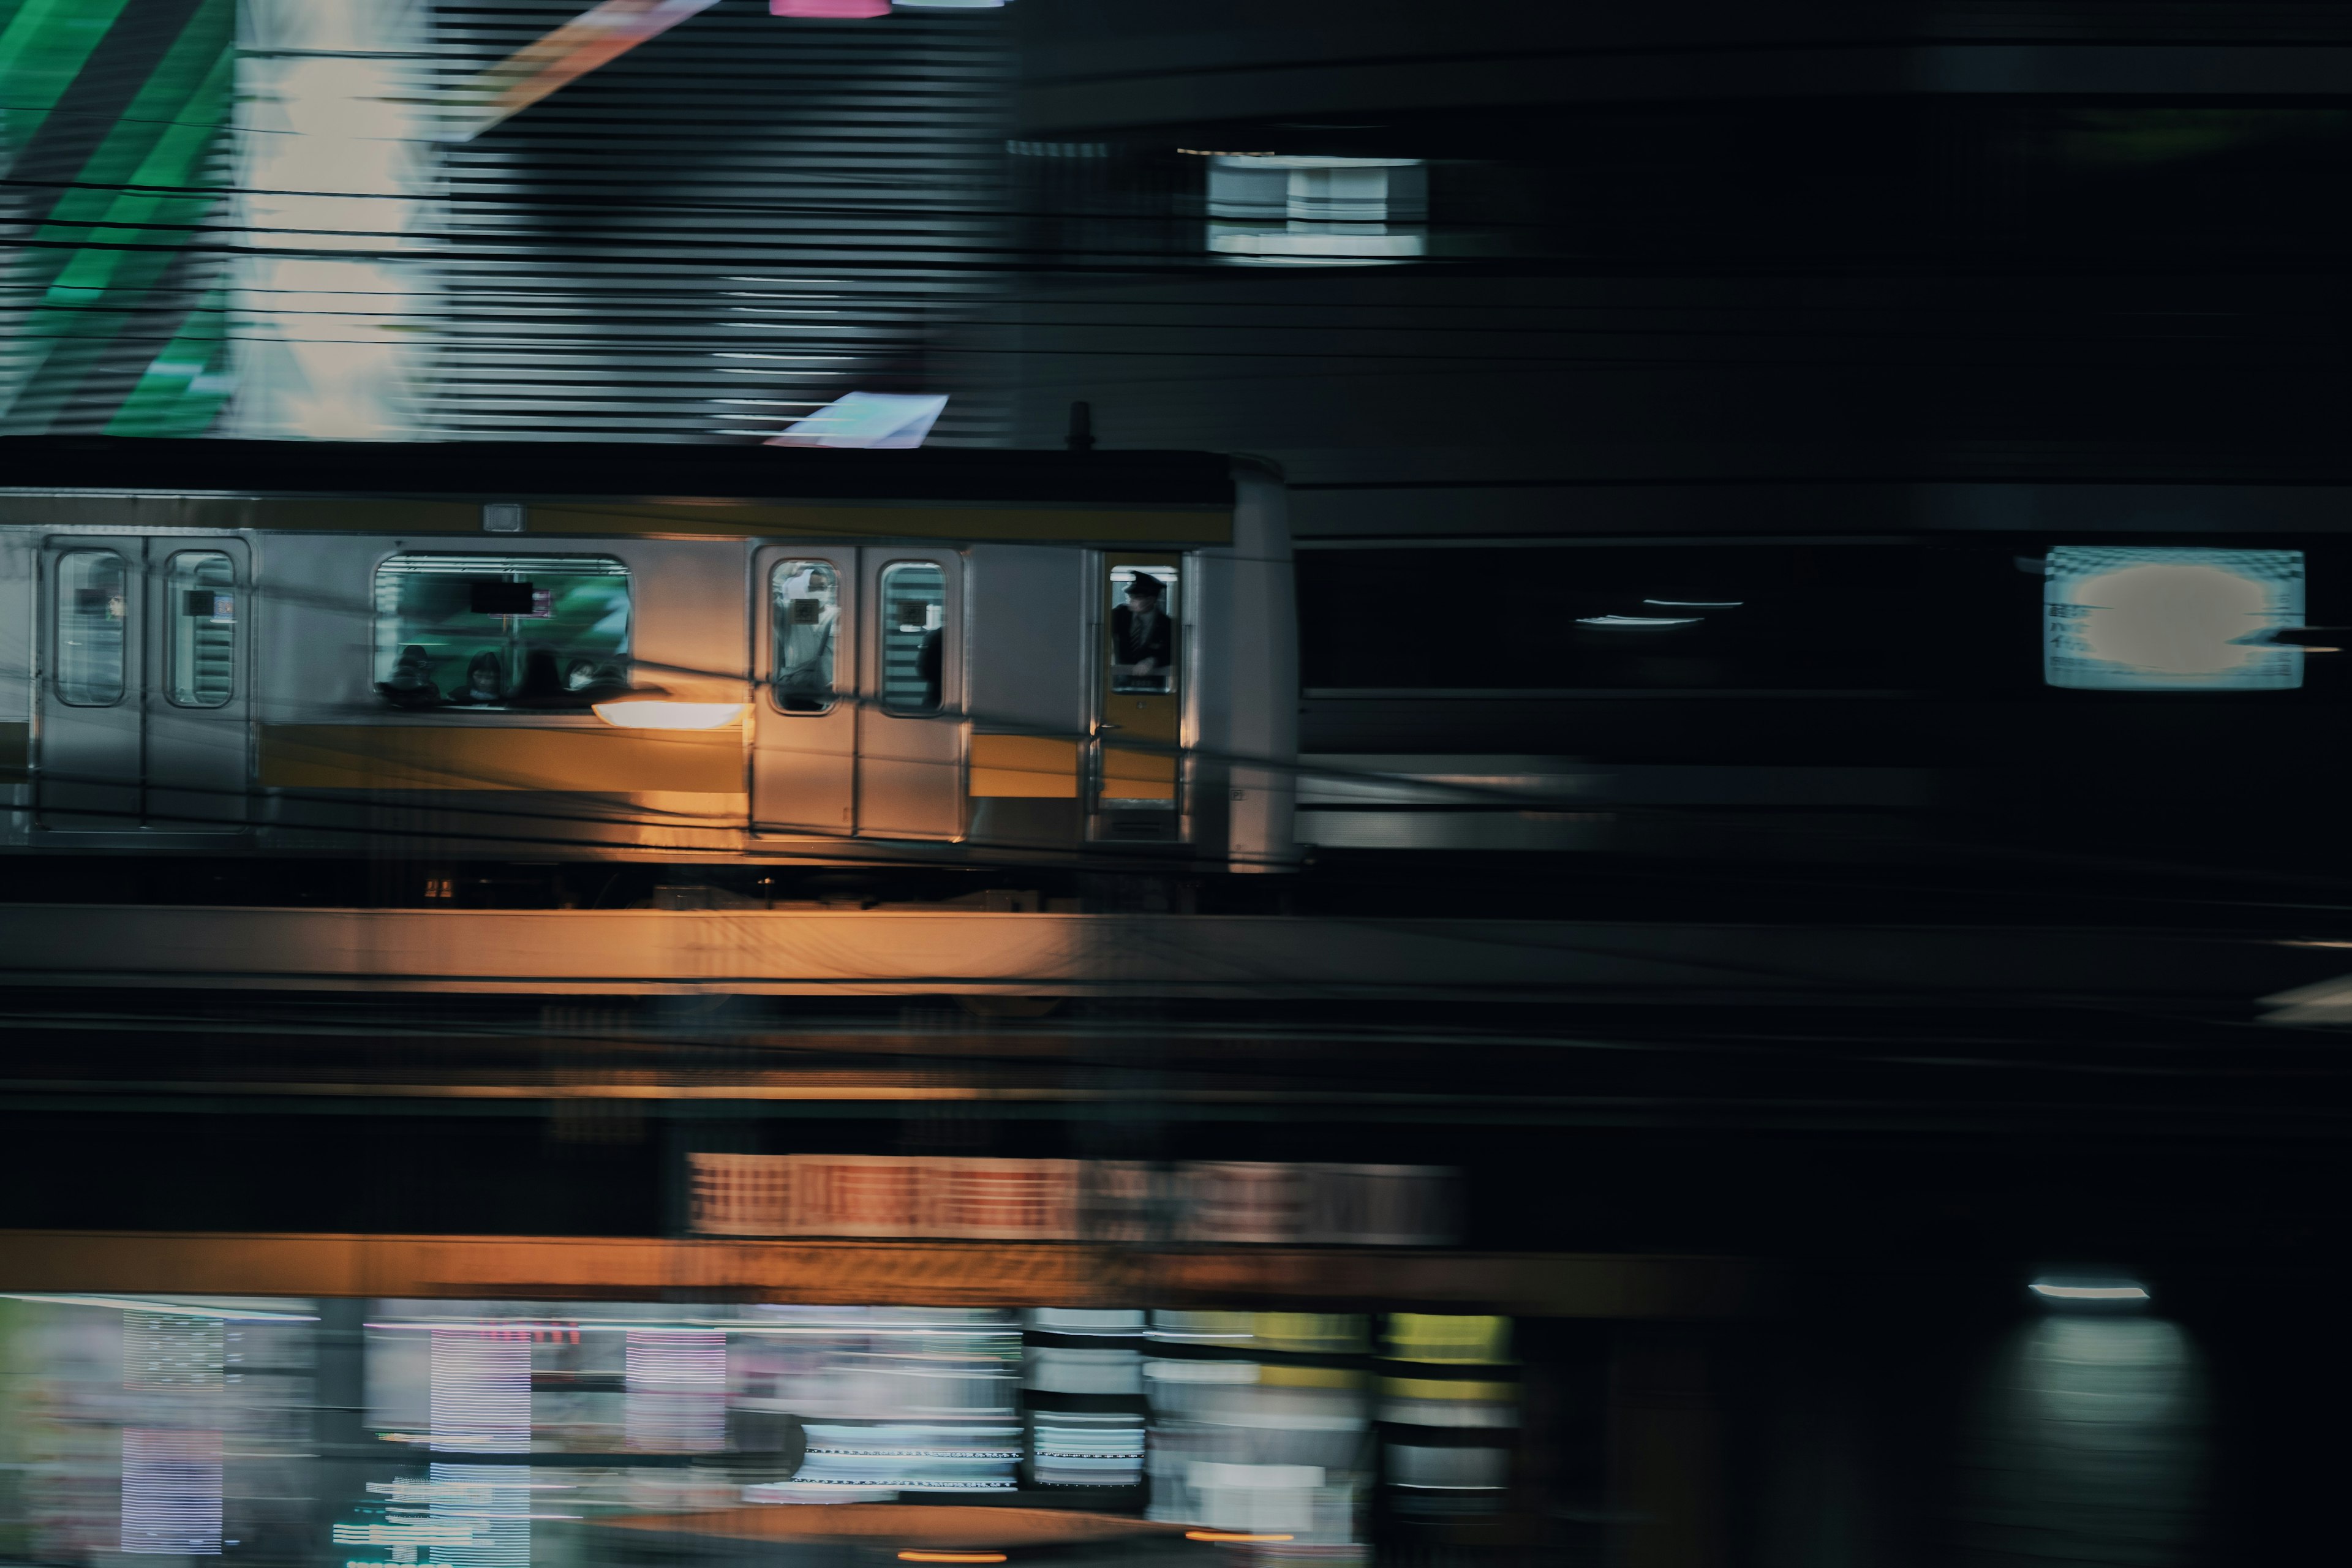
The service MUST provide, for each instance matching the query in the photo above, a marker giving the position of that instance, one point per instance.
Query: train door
(805, 726)
(142, 701)
(1140, 711)
(910, 734)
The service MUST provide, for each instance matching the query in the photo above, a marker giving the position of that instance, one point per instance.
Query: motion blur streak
(2089, 1447)
(333, 300)
(572, 51)
(170, 1492)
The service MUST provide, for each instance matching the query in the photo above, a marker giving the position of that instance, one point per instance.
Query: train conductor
(1144, 641)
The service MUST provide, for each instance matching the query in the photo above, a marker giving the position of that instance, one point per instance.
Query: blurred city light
(2170, 617)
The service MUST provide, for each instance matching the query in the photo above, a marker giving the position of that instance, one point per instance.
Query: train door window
(806, 610)
(502, 631)
(93, 610)
(1142, 718)
(914, 624)
(200, 601)
(1143, 627)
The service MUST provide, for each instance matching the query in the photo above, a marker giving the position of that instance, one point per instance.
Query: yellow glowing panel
(1138, 775)
(1443, 1338)
(454, 757)
(1025, 767)
(1448, 1389)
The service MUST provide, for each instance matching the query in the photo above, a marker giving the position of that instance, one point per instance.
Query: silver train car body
(251, 649)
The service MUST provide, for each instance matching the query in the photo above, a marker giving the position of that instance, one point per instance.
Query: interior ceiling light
(948, 5)
(662, 713)
(829, 10)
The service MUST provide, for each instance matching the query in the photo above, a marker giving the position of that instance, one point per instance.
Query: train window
(93, 608)
(1143, 620)
(914, 627)
(502, 631)
(2170, 618)
(805, 598)
(201, 604)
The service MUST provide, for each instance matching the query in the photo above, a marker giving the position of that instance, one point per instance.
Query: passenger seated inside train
(1143, 639)
(410, 684)
(486, 682)
(543, 684)
(528, 632)
(929, 661)
(579, 685)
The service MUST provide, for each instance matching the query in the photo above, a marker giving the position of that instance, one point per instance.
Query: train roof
(527, 469)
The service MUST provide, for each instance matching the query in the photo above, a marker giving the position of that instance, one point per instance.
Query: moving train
(547, 652)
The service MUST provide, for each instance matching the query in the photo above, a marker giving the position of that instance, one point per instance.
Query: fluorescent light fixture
(1698, 603)
(1639, 620)
(660, 714)
(2091, 1290)
(947, 5)
(1319, 248)
(1281, 161)
(2049, 1290)
(867, 419)
(2170, 618)
(829, 10)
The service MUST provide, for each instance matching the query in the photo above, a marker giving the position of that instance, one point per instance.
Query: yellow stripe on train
(601, 760)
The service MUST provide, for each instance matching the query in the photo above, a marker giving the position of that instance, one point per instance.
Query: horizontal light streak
(827, 1329)
(2089, 1292)
(656, 714)
(173, 1309)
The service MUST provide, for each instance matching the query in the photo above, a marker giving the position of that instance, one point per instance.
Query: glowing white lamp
(2090, 1290)
(663, 713)
(2171, 618)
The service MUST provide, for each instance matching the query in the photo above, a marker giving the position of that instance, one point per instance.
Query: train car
(546, 652)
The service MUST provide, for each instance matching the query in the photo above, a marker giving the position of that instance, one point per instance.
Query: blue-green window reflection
(502, 631)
